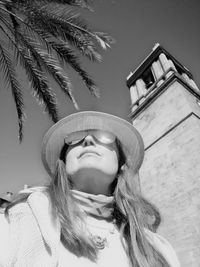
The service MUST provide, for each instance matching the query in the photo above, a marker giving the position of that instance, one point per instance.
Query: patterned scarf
(99, 206)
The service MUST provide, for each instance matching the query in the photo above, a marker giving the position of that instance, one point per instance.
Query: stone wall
(170, 175)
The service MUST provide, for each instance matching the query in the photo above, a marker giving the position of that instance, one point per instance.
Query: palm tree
(42, 36)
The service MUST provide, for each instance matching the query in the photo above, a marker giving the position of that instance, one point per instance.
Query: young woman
(91, 213)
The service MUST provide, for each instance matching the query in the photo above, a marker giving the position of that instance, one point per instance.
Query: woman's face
(91, 165)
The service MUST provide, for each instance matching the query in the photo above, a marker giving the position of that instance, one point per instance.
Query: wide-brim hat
(130, 138)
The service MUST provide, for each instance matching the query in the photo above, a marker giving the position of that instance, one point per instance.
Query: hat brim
(129, 137)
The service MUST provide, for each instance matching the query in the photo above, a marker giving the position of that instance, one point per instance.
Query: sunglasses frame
(95, 133)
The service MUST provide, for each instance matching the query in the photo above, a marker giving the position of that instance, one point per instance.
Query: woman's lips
(88, 152)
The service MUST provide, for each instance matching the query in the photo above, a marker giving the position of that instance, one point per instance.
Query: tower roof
(153, 56)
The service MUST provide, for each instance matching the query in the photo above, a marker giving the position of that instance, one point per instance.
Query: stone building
(166, 110)
(5, 200)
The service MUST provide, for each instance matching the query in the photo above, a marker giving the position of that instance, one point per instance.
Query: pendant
(99, 241)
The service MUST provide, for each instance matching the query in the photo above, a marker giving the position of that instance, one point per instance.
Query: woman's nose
(89, 140)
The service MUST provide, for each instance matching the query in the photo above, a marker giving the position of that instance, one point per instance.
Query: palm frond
(46, 61)
(52, 66)
(44, 34)
(41, 89)
(60, 22)
(49, 64)
(67, 55)
(84, 44)
(11, 80)
(107, 39)
(85, 47)
(29, 3)
(68, 26)
(79, 3)
(42, 92)
(45, 31)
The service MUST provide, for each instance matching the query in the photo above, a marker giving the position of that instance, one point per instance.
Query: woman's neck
(100, 206)
(92, 181)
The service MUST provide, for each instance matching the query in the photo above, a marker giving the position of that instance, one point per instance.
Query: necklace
(100, 240)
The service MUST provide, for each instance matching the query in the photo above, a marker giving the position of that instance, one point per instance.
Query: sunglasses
(103, 137)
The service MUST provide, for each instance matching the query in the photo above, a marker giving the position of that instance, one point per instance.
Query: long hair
(132, 213)
(64, 205)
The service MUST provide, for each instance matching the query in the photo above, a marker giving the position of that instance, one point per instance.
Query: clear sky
(136, 26)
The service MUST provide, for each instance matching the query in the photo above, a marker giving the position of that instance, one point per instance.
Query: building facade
(5, 200)
(166, 111)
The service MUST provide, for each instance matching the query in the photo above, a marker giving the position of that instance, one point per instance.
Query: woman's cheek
(71, 161)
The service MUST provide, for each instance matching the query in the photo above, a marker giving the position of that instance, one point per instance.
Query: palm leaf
(44, 36)
(67, 55)
(83, 43)
(50, 64)
(59, 22)
(11, 81)
(42, 91)
(78, 3)
(85, 47)
(30, 3)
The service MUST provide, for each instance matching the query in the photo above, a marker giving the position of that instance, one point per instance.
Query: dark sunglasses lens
(103, 137)
(75, 138)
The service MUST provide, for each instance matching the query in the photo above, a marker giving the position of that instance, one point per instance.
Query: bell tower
(166, 111)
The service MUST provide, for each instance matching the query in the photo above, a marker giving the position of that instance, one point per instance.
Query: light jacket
(30, 237)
